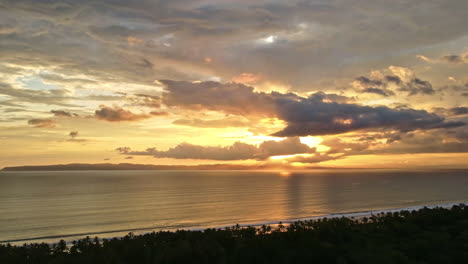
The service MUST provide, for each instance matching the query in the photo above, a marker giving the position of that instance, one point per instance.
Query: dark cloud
(417, 86)
(367, 81)
(73, 137)
(378, 91)
(63, 113)
(145, 63)
(117, 114)
(231, 98)
(452, 112)
(73, 134)
(393, 79)
(312, 117)
(455, 58)
(42, 123)
(458, 110)
(389, 84)
(237, 151)
(315, 115)
(388, 137)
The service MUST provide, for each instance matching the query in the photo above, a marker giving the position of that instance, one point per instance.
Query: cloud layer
(237, 151)
(318, 114)
(117, 114)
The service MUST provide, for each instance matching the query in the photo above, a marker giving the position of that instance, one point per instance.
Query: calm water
(47, 206)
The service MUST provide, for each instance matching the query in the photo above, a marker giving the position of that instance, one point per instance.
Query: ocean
(46, 206)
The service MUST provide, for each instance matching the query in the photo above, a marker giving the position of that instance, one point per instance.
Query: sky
(330, 83)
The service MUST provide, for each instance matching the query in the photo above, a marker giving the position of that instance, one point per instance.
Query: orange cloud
(247, 78)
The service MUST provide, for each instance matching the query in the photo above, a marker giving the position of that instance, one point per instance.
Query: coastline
(121, 233)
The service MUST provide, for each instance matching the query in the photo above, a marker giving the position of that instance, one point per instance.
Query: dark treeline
(424, 236)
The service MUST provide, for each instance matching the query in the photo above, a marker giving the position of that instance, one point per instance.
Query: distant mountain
(129, 166)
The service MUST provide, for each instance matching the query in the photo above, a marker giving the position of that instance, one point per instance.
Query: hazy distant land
(130, 166)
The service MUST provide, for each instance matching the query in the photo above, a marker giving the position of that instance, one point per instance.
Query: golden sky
(356, 84)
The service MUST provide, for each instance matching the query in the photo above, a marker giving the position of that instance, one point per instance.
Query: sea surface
(47, 206)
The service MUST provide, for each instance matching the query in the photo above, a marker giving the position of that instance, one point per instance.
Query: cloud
(417, 86)
(315, 117)
(287, 146)
(462, 110)
(378, 91)
(61, 79)
(318, 114)
(145, 63)
(42, 123)
(456, 58)
(455, 111)
(156, 113)
(247, 78)
(237, 151)
(453, 59)
(455, 89)
(230, 98)
(144, 100)
(63, 113)
(117, 114)
(340, 145)
(108, 38)
(455, 141)
(60, 97)
(73, 134)
(73, 137)
(389, 82)
(53, 97)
